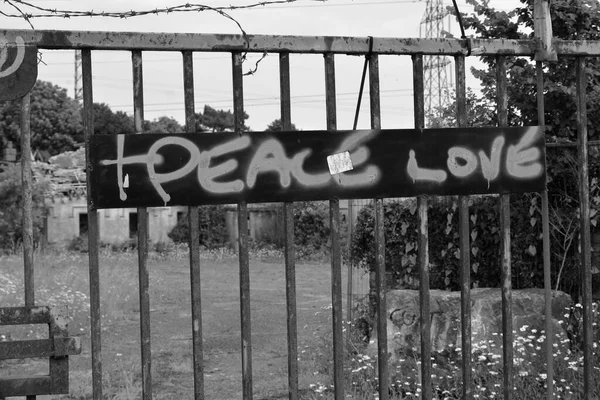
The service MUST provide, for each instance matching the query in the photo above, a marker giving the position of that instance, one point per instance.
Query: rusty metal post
(194, 239)
(423, 240)
(93, 230)
(27, 193)
(465, 245)
(290, 250)
(349, 280)
(27, 190)
(507, 333)
(243, 239)
(142, 212)
(584, 228)
(546, 248)
(382, 345)
(336, 255)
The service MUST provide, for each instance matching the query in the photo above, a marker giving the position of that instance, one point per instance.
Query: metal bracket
(57, 347)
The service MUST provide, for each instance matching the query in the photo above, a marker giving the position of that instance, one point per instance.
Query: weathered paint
(243, 242)
(546, 248)
(289, 242)
(423, 239)
(505, 254)
(194, 239)
(57, 347)
(382, 345)
(93, 231)
(142, 238)
(584, 228)
(465, 245)
(18, 67)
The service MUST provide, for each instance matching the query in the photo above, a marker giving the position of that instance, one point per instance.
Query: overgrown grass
(361, 370)
(62, 278)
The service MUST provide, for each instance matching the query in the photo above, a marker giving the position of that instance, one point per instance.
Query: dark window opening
(133, 224)
(180, 215)
(83, 224)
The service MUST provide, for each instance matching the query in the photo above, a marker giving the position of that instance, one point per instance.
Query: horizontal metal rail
(99, 40)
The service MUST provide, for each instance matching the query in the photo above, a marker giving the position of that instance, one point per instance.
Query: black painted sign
(212, 168)
(18, 67)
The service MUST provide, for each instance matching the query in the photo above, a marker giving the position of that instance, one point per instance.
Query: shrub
(79, 243)
(213, 230)
(11, 203)
(401, 247)
(311, 225)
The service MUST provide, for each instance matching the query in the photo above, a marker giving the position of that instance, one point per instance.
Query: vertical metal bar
(546, 249)
(423, 240)
(244, 260)
(336, 255)
(290, 251)
(194, 243)
(27, 191)
(93, 229)
(142, 213)
(349, 287)
(382, 345)
(584, 227)
(465, 245)
(507, 333)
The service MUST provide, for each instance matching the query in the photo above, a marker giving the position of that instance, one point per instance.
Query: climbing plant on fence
(444, 253)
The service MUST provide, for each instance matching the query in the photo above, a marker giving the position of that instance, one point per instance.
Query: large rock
(403, 330)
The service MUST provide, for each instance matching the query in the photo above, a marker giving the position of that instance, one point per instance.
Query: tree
(11, 208)
(107, 122)
(56, 124)
(571, 19)
(276, 126)
(217, 120)
(163, 125)
(479, 113)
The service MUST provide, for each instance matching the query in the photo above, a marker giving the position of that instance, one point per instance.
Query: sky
(163, 79)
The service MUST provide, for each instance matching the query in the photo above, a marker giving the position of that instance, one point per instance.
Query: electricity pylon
(437, 69)
(77, 88)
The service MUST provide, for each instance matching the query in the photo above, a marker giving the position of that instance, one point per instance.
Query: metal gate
(329, 47)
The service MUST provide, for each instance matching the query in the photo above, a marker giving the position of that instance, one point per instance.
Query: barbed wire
(24, 12)
(45, 12)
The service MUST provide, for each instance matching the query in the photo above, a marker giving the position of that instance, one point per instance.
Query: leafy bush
(312, 230)
(213, 230)
(401, 236)
(79, 243)
(11, 204)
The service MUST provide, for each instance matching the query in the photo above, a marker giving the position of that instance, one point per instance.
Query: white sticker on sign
(339, 163)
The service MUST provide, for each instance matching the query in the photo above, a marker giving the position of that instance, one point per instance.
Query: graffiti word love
(216, 173)
(522, 161)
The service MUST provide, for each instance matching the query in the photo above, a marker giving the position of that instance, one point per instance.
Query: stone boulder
(403, 327)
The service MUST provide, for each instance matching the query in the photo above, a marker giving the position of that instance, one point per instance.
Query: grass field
(62, 278)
